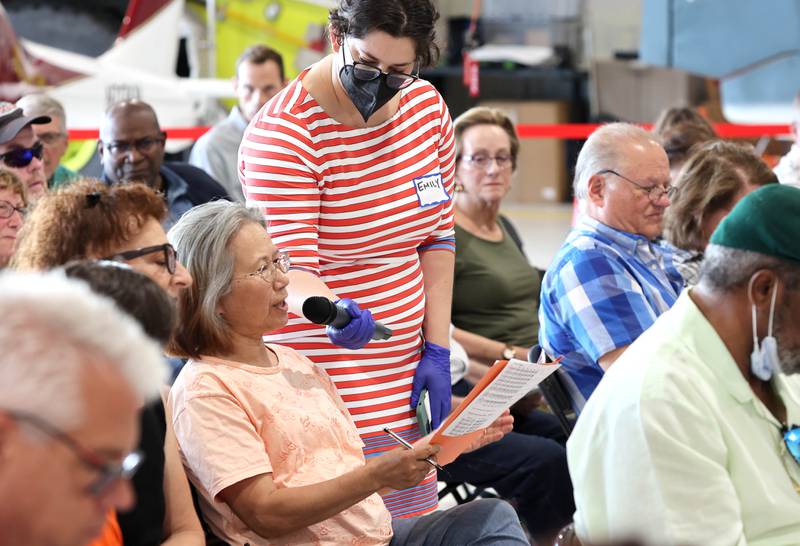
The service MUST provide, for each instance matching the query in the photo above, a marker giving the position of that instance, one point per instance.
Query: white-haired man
(74, 372)
(610, 280)
(693, 436)
(52, 135)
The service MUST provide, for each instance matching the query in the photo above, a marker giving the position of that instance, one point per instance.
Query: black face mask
(367, 96)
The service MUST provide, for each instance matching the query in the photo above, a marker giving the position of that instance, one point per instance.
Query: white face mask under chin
(764, 360)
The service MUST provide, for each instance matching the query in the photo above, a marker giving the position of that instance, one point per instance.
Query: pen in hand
(405, 444)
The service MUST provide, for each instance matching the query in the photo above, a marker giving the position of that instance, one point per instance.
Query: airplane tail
(147, 37)
(20, 72)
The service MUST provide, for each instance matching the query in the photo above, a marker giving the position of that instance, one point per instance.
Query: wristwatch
(508, 352)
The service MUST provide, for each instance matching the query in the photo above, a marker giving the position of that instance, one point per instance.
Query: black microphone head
(319, 310)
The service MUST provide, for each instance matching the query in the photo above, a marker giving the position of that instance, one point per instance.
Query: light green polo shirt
(674, 447)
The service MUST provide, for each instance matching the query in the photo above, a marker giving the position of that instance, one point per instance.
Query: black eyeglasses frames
(170, 256)
(367, 72)
(654, 193)
(7, 210)
(109, 473)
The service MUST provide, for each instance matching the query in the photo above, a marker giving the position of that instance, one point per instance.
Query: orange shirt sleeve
(111, 534)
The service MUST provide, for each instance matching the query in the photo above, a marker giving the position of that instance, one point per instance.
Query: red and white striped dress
(343, 202)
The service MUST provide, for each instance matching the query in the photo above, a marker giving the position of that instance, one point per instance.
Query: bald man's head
(131, 144)
(120, 111)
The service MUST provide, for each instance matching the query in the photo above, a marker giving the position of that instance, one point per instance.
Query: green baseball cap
(765, 221)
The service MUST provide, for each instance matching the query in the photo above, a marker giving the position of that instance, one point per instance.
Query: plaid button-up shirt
(604, 288)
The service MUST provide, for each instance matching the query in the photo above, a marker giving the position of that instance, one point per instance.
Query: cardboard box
(631, 91)
(541, 175)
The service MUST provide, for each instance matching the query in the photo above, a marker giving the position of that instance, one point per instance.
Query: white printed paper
(516, 380)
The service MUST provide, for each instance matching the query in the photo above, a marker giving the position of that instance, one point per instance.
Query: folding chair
(461, 492)
(557, 391)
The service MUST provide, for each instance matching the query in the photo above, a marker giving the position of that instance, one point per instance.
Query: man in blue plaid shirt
(610, 280)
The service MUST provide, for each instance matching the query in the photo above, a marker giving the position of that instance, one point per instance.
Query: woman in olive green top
(496, 290)
(495, 307)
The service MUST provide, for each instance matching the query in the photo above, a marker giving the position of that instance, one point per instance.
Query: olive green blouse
(496, 290)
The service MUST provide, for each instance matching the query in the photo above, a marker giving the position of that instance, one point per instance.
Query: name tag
(430, 190)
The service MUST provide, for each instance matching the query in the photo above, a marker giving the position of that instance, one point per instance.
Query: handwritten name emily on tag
(430, 190)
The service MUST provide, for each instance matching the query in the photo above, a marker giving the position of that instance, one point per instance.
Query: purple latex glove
(357, 332)
(433, 373)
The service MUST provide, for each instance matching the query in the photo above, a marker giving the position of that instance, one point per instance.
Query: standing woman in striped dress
(352, 165)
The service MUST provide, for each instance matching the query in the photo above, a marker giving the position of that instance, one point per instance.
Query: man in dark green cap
(692, 436)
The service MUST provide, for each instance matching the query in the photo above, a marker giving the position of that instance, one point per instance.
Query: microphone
(321, 310)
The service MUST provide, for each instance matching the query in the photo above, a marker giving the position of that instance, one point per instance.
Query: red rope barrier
(561, 130)
(582, 131)
(192, 133)
(578, 131)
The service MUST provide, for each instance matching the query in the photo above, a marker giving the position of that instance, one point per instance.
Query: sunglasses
(791, 438)
(22, 157)
(170, 257)
(108, 473)
(367, 72)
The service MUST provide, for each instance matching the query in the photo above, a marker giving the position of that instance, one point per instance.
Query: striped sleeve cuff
(448, 243)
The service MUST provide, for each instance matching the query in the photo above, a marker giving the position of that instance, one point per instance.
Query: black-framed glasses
(267, 271)
(791, 438)
(653, 192)
(109, 473)
(142, 145)
(170, 256)
(484, 161)
(366, 72)
(7, 210)
(22, 157)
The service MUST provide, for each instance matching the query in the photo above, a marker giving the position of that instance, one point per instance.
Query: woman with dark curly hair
(352, 166)
(90, 220)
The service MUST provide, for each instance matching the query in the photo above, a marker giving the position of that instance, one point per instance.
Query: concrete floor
(543, 229)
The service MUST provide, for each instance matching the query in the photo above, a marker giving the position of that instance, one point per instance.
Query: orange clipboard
(453, 446)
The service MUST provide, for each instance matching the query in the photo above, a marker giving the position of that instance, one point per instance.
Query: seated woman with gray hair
(265, 437)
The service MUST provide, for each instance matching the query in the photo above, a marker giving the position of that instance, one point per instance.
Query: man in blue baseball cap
(692, 436)
(20, 150)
